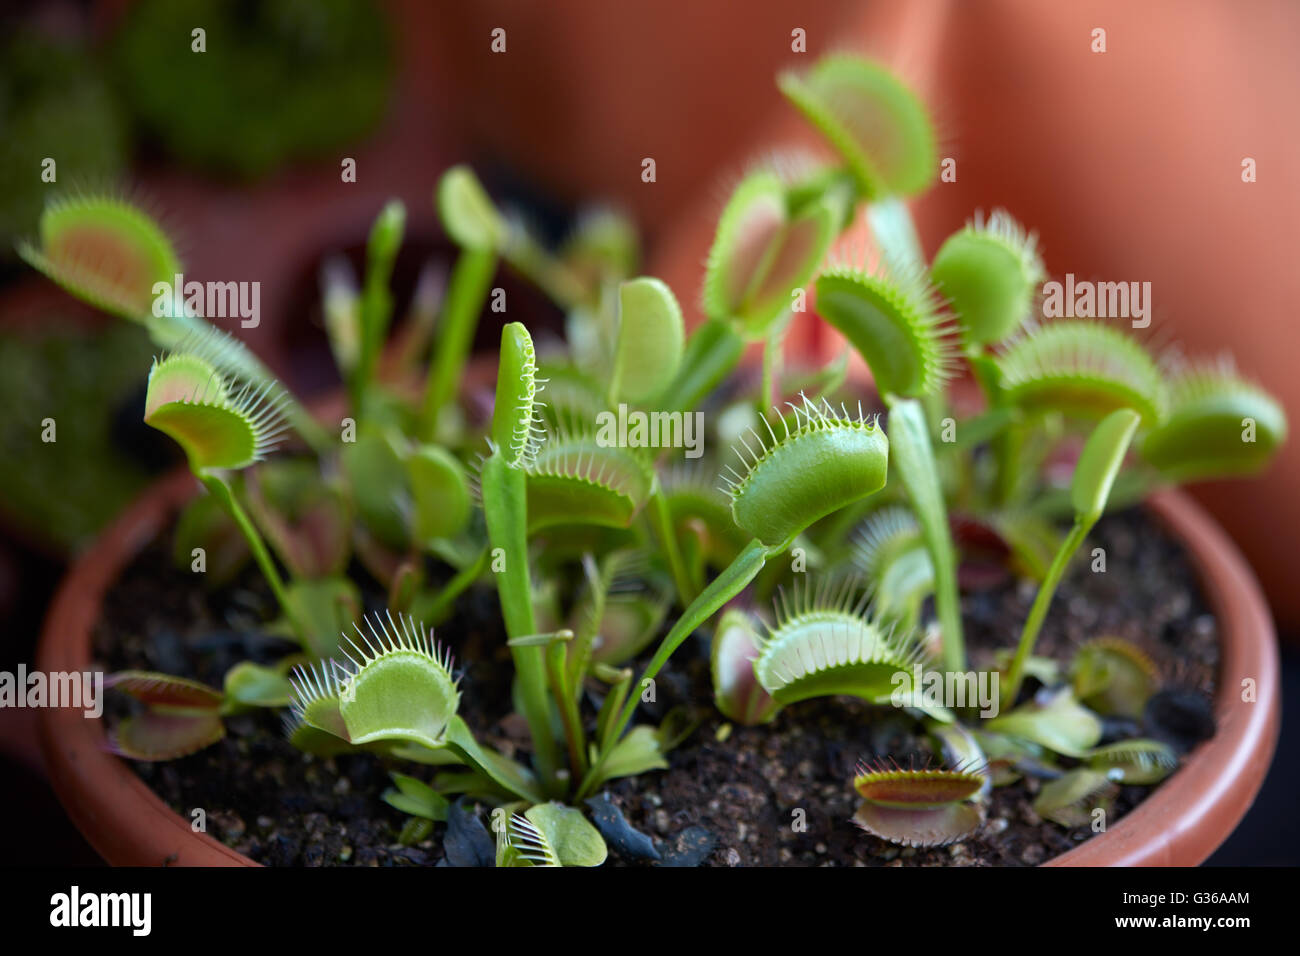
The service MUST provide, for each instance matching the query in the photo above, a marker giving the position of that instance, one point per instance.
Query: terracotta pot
(1180, 824)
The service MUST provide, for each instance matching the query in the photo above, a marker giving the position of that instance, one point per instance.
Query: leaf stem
(222, 491)
(913, 458)
(1042, 600)
(719, 591)
(505, 507)
(466, 292)
(436, 608)
(568, 705)
(661, 519)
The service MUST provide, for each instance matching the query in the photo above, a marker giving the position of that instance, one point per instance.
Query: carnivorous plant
(607, 548)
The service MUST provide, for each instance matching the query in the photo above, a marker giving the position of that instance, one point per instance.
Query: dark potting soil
(778, 794)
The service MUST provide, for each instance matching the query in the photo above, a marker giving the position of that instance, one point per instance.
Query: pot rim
(1180, 824)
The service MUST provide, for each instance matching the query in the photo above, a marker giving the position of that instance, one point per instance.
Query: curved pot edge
(1192, 812)
(125, 821)
(1180, 824)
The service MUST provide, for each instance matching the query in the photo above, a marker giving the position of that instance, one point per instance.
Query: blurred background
(1128, 163)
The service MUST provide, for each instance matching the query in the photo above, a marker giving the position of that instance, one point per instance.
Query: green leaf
(466, 212)
(636, 753)
(257, 686)
(380, 483)
(440, 492)
(541, 640)
(990, 273)
(515, 418)
(573, 839)
(1218, 424)
(417, 798)
(877, 124)
(763, 251)
(582, 479)
(400, 687)
(650, 341)
(1059, 723)
(891, 553)
(894, 323)
(323, 609)
(1100, 461)
(104, 251)
(1112, 676)
(1136, 761)
(1070, 799)
(915, 466)
(803, 469)
(219, 426)
(824, 643)
(736, 690)
(1081, 367)
(501, 770)
(712, 351)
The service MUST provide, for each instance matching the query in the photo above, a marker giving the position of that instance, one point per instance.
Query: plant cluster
(847, 521)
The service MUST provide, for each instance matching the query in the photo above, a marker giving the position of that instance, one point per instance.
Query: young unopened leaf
(651, 336)
(417, 798)
(466, 212)
(439, 492)
(1100, 462)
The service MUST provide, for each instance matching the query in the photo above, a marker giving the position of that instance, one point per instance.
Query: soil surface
(779, 794)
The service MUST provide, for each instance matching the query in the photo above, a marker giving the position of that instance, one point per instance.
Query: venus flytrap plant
(112, 254)
(876, 124)
(591, 541)
(891, 555)
(1113, 677)
(1217, 424)
(928, 807)
(826, 642)
(990, 273)
(737, 644)
(375, 308)
(907, 343)
(1137, 761)
(820, 461)
(1072, 798)
(179, 716)
(222, 425)
(515, 441)
(768, 244)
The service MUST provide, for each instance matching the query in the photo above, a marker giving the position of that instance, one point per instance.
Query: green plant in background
(593, 540)
(53, 106)
(328, 63)
(63, 491)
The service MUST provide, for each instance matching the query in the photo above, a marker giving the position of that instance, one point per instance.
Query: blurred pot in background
(585, 91)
